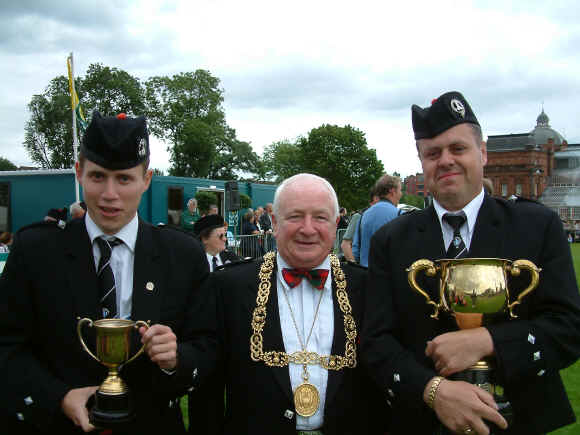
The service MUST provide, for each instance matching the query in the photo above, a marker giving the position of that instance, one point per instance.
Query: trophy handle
(515, 271)
(138, 323)
(430, 270)
(80, 324)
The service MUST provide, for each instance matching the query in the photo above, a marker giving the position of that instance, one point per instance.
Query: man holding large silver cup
(413, 355)
(111, 266)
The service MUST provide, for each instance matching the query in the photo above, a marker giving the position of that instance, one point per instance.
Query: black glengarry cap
(447, 111)
(116, 142)
(210, 221)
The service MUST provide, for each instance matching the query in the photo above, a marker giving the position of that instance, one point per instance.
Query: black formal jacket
(258, 397)
(229, 257)
(49, 281)
(398, 326)
(266, 222)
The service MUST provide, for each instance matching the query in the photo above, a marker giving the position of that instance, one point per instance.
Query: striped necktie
(457, 247)
(106, 279)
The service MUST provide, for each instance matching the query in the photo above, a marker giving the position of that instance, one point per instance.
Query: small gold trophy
(474, 292)
(113, 403)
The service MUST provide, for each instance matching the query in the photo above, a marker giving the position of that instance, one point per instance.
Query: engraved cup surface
(113, 340)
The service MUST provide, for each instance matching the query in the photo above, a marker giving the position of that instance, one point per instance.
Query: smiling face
(305, 224)
(453, 166)
(112, 196)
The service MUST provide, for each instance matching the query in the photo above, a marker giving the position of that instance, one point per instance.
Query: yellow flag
(74, 99)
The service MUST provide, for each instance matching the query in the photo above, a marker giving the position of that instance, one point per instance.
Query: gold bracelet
(433, 391)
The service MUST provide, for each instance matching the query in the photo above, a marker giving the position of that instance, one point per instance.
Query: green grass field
(571, 375)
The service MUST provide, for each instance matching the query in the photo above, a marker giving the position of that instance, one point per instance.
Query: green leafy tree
(415, 200)
(193, 150)
(233, 156)
(282, 160)
(48, 133)
(341, 155)
(7, 165)
(186, 111)
(48, 136)
(245, 201)
(111, 91)
(204, 200)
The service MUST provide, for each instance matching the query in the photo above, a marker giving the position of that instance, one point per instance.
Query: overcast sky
(288, 67)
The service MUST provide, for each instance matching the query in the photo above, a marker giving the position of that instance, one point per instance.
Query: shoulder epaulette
(406, 212)
(44, 224)
(520, 199)
(234, 263)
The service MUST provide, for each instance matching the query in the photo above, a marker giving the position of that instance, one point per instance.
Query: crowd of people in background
(298, 342)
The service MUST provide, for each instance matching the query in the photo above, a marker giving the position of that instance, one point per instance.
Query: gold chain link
(282, 359)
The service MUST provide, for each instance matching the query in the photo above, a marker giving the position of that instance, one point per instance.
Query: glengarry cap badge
(457, 107)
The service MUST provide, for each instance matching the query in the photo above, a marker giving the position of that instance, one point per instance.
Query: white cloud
(288, 68)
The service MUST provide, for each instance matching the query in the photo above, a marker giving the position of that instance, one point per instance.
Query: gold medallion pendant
(306, 399)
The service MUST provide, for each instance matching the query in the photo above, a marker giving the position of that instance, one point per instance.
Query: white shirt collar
(471, 211)
(128, 234)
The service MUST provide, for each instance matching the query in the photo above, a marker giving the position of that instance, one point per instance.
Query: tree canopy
(7, 165)
(184, 110)
(48, 133)
(339, 154)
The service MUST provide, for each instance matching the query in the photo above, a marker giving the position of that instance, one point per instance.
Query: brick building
(523, 163)
(414, 184)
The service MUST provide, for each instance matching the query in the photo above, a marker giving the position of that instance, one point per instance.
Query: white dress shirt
(304, 298)
(471, 211)
(210, 261)
(122, 261)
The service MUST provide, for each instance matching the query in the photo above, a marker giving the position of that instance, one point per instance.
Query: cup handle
(515, 271)
(138, 323)
(430, 270)
(80, 324)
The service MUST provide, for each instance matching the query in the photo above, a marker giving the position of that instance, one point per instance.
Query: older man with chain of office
(287, 325)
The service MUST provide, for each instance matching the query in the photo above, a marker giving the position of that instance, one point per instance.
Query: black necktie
(457, 247)
(214, 263)
(108, 294)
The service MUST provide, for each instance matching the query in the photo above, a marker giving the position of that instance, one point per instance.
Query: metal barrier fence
(337, 249)
(256, 245)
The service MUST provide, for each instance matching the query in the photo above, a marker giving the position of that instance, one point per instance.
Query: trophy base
(482, 375)
(111, 411)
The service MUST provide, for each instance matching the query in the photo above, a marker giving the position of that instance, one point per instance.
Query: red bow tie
(316, 277)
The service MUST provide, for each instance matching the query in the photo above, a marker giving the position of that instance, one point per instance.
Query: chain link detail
(282, 359)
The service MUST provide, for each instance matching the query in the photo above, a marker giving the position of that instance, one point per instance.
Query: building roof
(38, 172)
(540, 135)
(510, 142)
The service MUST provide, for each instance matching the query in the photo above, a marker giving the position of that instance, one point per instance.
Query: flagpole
(74, 120)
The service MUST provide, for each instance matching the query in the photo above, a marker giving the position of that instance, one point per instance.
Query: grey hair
(191, 200)
(289, 181)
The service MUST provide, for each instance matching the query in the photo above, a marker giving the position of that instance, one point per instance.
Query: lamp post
(533, 173)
